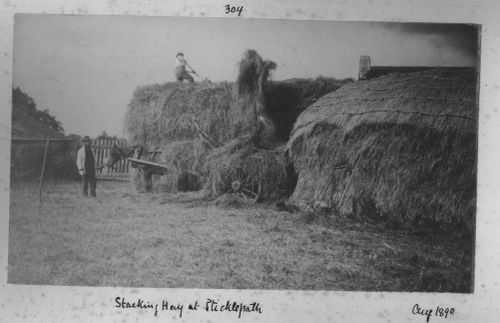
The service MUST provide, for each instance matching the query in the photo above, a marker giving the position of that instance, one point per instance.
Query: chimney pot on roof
(364, 66)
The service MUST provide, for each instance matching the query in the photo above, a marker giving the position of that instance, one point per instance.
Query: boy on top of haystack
(180, 69)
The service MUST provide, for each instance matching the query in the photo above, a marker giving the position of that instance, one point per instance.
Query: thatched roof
(377, 71)
(439, 98)
(403, 146)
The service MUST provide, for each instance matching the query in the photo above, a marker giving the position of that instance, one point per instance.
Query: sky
(84, 68)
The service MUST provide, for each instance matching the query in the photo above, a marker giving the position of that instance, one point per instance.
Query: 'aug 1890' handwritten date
(228, 9)
(438, 311)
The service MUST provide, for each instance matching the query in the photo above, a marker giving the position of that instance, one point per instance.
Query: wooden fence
(101, 146)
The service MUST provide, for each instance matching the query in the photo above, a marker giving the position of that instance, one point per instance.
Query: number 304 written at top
(228, 9)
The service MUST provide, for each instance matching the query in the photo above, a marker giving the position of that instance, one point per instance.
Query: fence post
(43, 170)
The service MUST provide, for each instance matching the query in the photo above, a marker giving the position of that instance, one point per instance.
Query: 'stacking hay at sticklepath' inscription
(208, 305)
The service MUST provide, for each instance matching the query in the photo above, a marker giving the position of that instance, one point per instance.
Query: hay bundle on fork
(251, 166)
(402, 146)
(251, 116)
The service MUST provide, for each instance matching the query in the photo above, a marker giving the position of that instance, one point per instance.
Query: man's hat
(86, 138)
(179, 53)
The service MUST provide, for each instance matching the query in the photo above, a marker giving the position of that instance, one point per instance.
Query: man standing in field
(181, 73)
(85, 162)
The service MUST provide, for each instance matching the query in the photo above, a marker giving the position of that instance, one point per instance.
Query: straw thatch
(402, 146)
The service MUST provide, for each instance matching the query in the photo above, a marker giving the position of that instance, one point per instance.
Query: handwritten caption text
(209, 305)
(438, 312)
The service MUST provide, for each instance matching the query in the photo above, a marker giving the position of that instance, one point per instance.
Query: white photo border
(24, 303)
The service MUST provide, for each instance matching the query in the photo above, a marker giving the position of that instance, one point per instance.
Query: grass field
(124, 238)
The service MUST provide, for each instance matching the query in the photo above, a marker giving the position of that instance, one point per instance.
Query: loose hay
(409, 142)
(263, 172)
(185, 166)
(230, 201)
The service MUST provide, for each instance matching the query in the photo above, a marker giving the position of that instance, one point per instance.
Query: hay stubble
(124, 238)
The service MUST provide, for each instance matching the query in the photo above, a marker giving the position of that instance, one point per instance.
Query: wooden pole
(43, 169)
(348, 183)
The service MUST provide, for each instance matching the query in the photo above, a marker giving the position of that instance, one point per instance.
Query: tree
(22, 101)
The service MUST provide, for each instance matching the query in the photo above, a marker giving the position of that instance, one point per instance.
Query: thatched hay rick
(401, 146)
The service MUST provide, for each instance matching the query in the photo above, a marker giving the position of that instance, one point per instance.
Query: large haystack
(208, 113)
(253, 106)
(159, 114)
(402, 146)
(252, 110)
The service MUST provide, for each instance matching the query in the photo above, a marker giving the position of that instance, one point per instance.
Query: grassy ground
(123, 238)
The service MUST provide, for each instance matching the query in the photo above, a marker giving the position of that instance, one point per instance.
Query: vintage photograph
(178, 152)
